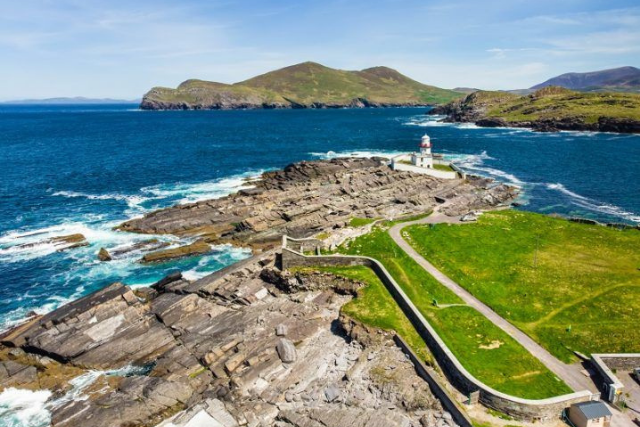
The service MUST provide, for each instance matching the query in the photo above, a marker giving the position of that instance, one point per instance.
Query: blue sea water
(84, 169)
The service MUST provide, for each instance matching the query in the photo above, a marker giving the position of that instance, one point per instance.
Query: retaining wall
(525, 409)
(438, 389)
(604, 363)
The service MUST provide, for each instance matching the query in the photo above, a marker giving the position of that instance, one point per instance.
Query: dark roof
(593, 409)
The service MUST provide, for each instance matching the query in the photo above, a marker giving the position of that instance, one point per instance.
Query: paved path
(570, 374)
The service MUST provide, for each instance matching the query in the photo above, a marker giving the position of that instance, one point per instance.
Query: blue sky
(120, 48)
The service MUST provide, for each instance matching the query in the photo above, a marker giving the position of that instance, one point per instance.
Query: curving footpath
(570, 374)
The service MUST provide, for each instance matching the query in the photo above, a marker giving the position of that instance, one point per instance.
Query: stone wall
(605, 363)
(525, 409)
(438, 389)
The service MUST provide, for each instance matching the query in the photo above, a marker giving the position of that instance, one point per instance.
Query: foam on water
(436, 121)
(475, 163)
(24, 408)
(356, 153)
(195, 192)
(83, 269)
(594, 205)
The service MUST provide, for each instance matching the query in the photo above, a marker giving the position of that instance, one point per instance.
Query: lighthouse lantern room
(424, 158)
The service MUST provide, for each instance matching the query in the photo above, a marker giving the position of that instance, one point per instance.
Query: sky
(120, 49)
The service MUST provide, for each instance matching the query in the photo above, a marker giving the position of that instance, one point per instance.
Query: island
(305, 85)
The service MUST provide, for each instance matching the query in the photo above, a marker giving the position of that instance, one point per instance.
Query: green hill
(549, 109)
(305, 85)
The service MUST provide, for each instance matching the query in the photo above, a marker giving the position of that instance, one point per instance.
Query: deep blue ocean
(85, 169)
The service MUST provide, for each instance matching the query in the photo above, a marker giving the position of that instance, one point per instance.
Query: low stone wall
(604, 363)
(525, 409)
(437, 388)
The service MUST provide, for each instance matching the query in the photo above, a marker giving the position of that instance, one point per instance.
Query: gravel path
(570, 374)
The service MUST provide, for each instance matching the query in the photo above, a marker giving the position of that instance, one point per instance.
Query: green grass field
(569, 286)
(486, 351)
(376, 307)
(360, 222)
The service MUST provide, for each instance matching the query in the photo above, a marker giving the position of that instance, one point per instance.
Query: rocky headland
(307, 198)
(250, 344)
(549, 109)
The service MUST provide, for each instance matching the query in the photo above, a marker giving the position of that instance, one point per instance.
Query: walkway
(570, 374)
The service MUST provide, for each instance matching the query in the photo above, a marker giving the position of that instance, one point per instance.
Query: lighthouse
(423, 159)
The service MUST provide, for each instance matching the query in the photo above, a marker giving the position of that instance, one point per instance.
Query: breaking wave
(191, 193)
(356, 153)
(594, 205)
(26, 408)
(436, 121)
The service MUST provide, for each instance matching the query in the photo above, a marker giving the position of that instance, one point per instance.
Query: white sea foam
(594, 205)
(437, 121)
(24, 408)
(133, 201)
(475, 163)
(356, 153)
(191, 193)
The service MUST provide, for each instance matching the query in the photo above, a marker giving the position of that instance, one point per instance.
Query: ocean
(85, 169)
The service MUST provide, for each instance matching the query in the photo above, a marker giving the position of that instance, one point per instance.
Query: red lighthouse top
(425, 142)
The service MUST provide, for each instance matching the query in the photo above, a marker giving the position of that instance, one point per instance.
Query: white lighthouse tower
(423, 159)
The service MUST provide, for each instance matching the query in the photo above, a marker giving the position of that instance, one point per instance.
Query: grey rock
(286, 350)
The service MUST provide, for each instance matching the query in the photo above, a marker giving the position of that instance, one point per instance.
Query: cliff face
(547, 110)
(306, 85)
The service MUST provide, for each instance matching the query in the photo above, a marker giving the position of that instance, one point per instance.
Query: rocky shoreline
(249, 345)
(307, 198)
(473, 110)
(151, 103)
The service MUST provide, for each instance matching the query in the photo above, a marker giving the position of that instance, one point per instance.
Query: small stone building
(590, 414)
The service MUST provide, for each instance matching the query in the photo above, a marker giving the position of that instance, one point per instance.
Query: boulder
(286, 351)
(103, 255)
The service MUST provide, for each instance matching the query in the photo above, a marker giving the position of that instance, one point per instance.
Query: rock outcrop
(213, 350)
(309, 197)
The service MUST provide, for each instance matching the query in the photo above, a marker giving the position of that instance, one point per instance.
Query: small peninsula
(305, 85)
(547, 110)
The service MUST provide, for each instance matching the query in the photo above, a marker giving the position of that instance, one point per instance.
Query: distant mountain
(305, 85)
(623, 79)
(72, 100)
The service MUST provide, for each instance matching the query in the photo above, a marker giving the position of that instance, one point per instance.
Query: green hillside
(548, 109)
(302, 86)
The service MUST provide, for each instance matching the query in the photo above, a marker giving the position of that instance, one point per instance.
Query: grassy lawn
(376, 307)
(360, 222)
(486, 351)
(445, 168)
(569, 286)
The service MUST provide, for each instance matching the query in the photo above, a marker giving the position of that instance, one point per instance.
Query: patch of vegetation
(485, 351)
(360, 222)
(569, 286)
(322, 236)
(445, 168)
(555, 103)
